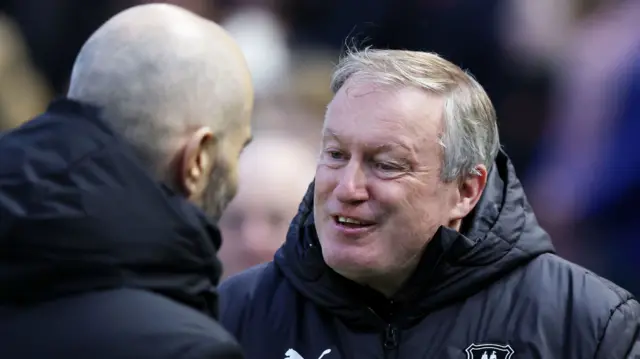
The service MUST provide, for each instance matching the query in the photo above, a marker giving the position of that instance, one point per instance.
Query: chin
(353, 263)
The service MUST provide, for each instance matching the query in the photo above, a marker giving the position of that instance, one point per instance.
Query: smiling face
(380, 166)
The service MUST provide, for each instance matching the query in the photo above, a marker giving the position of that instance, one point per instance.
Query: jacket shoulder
(200, 335)
(237, 293)
(117, 323)
(578, 305)
(604, 319)
(550, 272)
(153, 315)
(243, 283)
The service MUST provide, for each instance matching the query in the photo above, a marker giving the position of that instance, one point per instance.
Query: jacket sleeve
(214, 348)
(232, 304)
(223, 351)
(234, 297)
(621, 337)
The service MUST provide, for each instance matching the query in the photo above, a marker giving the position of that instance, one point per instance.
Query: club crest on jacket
(489, 351)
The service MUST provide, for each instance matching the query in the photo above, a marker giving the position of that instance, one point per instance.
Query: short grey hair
(470, 131)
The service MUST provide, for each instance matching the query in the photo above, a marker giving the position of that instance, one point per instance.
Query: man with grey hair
(416, 239)
(104, 252)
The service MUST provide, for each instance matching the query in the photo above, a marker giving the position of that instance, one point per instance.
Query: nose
(352, 185)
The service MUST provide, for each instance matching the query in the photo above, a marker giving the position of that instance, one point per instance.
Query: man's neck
(390, 284)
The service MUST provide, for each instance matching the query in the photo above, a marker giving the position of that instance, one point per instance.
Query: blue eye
(385, 167)
(335, 155)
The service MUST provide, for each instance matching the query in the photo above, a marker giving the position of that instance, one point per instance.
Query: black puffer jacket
(96, 260)
(495, 292)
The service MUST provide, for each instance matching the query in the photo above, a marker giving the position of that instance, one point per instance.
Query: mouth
(351, 223)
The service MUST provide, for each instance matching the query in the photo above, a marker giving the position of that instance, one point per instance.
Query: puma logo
(292, 354)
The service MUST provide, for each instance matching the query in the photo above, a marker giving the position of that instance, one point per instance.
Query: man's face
(380, 165)
(223, 181)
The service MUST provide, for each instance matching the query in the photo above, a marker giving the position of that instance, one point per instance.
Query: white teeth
(348, 220)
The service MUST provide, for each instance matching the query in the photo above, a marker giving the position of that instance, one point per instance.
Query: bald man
(108, 200)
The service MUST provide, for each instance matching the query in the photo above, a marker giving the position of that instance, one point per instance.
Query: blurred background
(564, 76)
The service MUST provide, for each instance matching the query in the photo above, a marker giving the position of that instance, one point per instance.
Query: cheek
(399, 198)
(417, 208)
(324, 183)
(232, 176)
(434, 207)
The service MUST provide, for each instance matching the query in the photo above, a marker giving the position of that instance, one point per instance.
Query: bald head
(177, 88)
(161, 72)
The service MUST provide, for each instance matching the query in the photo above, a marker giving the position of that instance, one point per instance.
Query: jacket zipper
(390, 343)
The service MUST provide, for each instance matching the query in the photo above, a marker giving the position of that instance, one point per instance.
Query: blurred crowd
(564, 76)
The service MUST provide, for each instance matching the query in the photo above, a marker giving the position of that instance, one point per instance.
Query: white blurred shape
(263, 42)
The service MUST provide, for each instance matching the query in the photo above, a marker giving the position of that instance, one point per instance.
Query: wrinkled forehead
(376, 114)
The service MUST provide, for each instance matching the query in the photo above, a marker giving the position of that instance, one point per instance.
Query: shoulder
(180, 327)
(244, 283)
(238, 294)
(601, 316)
(149, 312)
(131, 323)
(575, 300)
(551, 273)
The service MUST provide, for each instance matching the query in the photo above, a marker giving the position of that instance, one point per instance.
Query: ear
(469, 192)
(197, 162)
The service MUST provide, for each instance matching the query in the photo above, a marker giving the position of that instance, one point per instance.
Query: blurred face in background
(274, 175)
(379, 198)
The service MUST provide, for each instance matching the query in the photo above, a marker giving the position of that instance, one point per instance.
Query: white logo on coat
(292, 354)
(489, 351)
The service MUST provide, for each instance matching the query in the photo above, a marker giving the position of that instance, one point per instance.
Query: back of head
(159, 73)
